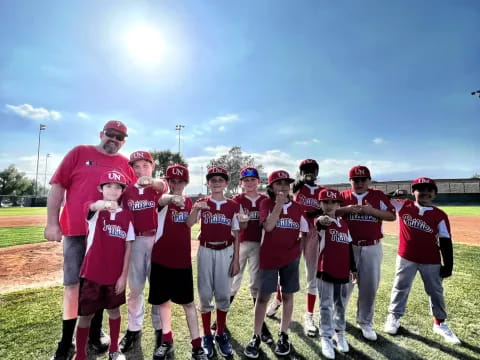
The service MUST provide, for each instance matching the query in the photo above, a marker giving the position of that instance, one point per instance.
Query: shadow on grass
(444, 348)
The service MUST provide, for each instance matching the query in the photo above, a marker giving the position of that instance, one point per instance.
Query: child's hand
(281, 198)
(324, 220)
(243, 216)
(145, 181)
(353, 275)
(178, 200)
(355, 209)
(234, 267)
(120, 284)
(367, 209)
(200, 205)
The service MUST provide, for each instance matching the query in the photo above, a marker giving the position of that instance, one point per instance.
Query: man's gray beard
(110, 147)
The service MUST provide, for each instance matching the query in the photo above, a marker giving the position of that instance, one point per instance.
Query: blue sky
(381, 83)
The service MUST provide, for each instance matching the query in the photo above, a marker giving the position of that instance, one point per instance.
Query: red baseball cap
(217, 171)
(141, 155)
(249, 172)
(116, 125)
(279, 175)
(177, 171)
(308, 162)
(330, 194)
(424, 181)
(359, 171)
(113, 176)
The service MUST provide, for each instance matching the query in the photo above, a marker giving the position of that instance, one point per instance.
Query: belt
(365, 242)
(216, 245)
(146, 233)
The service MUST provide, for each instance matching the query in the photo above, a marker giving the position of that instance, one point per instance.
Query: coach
(77, 178)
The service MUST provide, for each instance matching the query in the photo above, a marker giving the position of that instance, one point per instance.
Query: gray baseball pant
(332, 303)
(432, 282)
(369, 262)
(138, 273)
(249, 252)
(213, 278)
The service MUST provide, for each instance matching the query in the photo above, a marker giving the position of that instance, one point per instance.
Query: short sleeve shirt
(218, 221)
(253, 232)
(307, 196)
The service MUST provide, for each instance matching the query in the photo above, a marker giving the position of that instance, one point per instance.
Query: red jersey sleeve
(264, 210)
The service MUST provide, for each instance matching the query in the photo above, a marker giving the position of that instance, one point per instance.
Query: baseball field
(31, 296)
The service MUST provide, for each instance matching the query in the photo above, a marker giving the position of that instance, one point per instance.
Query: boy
(142, 200)
(171, 276)
(250, 236)
(105, 265)
(217, 260)
(364, 209)
(280, 251)
(335, 265)
(424, 241)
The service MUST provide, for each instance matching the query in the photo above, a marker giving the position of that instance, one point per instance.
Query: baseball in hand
(145, 181)
(243, 217)
(178, 200)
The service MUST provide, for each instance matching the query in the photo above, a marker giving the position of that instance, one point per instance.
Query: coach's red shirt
(420, 230)
(361, 226)
(281, 246)
(334, 258)
(253, 232)
(307, 196)
(218, 221)
(143, 203)
(106, 241)
(79, 173)
(173, 247)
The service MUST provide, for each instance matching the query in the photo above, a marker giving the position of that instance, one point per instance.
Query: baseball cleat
(327, 348)
(309, 326)
(368, 332)
(64, 352)
(341, 342)
(391, 324)
(447, 334)
(130, 340)
(283, 346)
(252, 349)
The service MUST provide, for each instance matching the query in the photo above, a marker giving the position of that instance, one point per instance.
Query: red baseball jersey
(143, 203)
(218, 222)
(107, 234)
(79, 173)
(281, 246)
(253, 232)
(307, 196)
(420, 230)
(334, 258)
(173, 249)
(361, 226)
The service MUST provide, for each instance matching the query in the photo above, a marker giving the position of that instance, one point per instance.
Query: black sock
(254, 301)
(231, 298)
(96, 325)
(68, 327)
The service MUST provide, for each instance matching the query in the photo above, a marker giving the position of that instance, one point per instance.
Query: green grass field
(19, 235)
(462, 210)
(23, 211)
(30, 321)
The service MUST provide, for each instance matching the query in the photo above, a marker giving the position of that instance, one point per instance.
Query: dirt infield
(20, 220)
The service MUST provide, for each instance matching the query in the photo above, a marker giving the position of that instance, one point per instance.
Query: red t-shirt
(218, 222)
(107, 234)
(253, 232)
(307, 196)
(281, 246)
(143, 203)
(420, 230)
(79, 174)
(334, 258)
(173, 248)
(361, 226)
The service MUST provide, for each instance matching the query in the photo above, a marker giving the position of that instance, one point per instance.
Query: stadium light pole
(41, 128)
(179, 129)
(45, 179)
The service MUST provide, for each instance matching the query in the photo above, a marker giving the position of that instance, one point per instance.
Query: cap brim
(289, 180)
(225, 176)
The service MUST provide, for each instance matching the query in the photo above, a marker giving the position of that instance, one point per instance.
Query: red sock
(196, 343)
(438, 321)
(114, 325)
(311, 302)
(206, 318)
(81, 340)
(279, 293)
(221, 321)
(168, 337)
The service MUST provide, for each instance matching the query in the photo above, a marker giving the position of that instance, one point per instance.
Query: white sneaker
(273, 307)
(391, 324)
(341, 341)
(327, 348)
(309, 325)
(447, 334)
(368, 332)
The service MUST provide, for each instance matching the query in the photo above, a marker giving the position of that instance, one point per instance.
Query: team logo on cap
(114, 176)
(360, 171)
(177, 171)
(138, 155)
(423, 181)
(282, 174)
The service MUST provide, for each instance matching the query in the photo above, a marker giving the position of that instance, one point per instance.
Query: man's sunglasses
(113, 135)
(360, 179)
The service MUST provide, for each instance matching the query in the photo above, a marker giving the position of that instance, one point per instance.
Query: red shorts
(94, 296)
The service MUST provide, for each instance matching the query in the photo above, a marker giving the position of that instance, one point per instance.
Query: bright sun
(145, 44)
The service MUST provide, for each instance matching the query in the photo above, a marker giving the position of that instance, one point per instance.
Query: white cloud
(221, 128)
(307, 142)
(225, 119)
(378, 140)
(28, 111)
(218, 150)
(83, 115)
